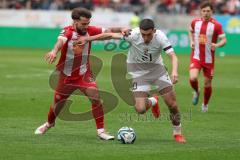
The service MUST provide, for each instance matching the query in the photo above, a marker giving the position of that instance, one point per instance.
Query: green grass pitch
(25, 97)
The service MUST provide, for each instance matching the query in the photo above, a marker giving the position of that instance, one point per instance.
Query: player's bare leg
(143, 103)
(170, 99)
(62, 92)
(97, 111)
(194, 84)
(207, 93)
(140, 102)
(54, 110)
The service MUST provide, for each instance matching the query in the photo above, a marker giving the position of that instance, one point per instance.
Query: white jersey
(147, 56)
(140, 52)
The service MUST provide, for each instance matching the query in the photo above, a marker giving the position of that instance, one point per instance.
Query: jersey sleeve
(93, 30)
(165, 43)
(191, 27)
(65, 34)
(128, 37)
(220, 31)
(133, 36)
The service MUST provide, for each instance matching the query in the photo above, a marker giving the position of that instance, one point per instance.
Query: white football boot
(43, 128)
(204, 108)
(105, 136)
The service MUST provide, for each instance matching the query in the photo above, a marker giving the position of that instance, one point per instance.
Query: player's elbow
(173, 56)
(225, 42)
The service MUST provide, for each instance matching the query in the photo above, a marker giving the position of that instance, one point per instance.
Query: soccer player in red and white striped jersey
(204, 34)
(74, 70)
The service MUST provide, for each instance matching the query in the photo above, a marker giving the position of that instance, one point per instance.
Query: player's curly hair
(80, 12)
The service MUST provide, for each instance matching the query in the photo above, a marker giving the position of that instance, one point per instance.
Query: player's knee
(95, 102)
(172, 105)
(140, 109)
(193, 79)
(207, 83)
(94, 98)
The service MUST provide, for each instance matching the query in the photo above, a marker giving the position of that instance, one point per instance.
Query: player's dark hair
(206, 4)
(81, 12)
(146, 24)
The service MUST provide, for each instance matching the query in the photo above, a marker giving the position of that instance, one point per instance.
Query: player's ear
(154, 30)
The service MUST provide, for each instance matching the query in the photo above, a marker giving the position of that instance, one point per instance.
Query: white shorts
(145, 85)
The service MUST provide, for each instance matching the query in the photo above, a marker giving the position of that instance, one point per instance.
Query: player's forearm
(58, 46)
(104, 36)
(222, 42)
(115, 29)
(190, 35)
(174, 62)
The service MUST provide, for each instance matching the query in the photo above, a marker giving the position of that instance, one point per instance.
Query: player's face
(147, 35)
(81, 25)
(206, 13)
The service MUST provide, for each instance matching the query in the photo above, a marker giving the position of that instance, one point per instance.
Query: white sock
(153, 101)
(100, 130)
(177, 129)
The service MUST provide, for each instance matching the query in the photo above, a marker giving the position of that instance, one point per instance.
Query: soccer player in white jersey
(74, 70)
(204, 33)
(145, 65)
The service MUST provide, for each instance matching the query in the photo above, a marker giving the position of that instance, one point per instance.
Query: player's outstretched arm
(174, 60)
(105, 36)
(51, 56)
(124, 30)
(102, 36)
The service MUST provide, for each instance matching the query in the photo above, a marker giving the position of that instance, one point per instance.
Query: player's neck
(207, 20)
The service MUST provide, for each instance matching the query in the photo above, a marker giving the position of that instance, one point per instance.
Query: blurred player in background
(74, 70)
(204, 33)
(147, 69)
(135, 20)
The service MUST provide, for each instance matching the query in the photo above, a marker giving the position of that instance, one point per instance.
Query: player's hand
(214, 46)
(50, 57)
(192, 45)
(174, 77)
(126, 31)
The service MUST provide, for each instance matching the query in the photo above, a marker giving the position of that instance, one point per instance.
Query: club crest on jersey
(202, 39)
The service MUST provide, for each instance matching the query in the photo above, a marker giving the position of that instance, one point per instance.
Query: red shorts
(66, 85)
(208, 68)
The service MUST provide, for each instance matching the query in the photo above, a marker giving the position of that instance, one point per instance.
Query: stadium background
(170, 15)
(29, 28)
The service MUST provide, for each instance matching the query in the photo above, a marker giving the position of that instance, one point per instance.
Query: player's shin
(194, 85)
(177, 128)
(207, 94)
(51, 115)
(176, 120)
(98, 114)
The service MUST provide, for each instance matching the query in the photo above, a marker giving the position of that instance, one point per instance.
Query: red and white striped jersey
(205, 33)
(71, 64)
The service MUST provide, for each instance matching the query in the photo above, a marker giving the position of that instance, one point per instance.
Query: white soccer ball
(126, 135)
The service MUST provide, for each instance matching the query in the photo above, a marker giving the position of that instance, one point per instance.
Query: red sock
(97, 111)
(59, 101)
(51, 116)
(207, 94)
(194, 85)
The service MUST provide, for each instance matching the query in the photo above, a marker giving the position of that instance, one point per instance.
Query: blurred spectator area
(117, 5)
(189, 7)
